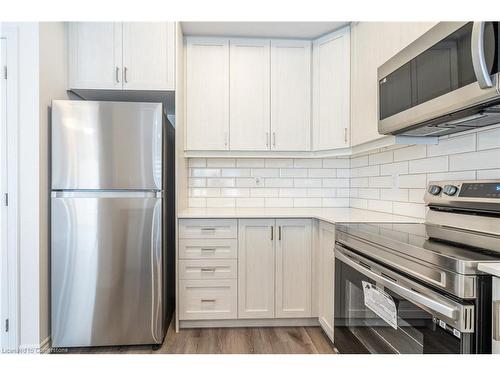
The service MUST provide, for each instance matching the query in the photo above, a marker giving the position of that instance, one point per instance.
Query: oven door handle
(448, 311)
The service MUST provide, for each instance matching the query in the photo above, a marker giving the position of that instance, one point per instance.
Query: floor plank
(256, 340)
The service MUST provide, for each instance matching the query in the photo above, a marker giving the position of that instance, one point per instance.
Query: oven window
(359, 330)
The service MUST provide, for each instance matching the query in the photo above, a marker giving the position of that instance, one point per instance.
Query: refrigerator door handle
(156, 272)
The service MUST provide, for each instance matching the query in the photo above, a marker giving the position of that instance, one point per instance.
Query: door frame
(9, 137)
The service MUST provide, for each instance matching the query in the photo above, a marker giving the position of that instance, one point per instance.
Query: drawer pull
(211, 269)
(212, 300)
(208, 229)
(212, 249)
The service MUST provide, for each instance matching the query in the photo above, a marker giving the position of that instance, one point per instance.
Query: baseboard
(236, 323)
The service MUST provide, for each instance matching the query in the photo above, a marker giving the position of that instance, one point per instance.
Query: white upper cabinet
(293, 268)
(331, 70)
(95, 55)
(207, 94)
(372, 44)
(249, 94)
(148, 55)
(290, 95)
(116, 55)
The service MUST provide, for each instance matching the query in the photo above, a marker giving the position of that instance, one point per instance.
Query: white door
(331, 71)
(291, 95)
(249, 94)
(207, 94)
(256, 268)
(326, 277)
(293, 268)
(4, 280)
(95, 55)
(148, 55)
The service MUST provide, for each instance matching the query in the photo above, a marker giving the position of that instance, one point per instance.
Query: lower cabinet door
(207, 299)
(256, 268)
(326, 277)
(293, 268)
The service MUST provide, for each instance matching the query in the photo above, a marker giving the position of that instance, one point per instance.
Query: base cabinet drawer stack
(208, 269)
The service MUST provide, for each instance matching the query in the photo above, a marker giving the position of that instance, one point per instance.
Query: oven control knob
(450, 190)
(434, 189)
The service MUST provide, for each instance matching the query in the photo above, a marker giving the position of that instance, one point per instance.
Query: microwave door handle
(478, 59)
(446, 310)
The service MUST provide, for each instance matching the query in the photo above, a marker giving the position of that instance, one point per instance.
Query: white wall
(52, 85)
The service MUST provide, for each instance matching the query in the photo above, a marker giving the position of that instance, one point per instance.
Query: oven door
(380, 311)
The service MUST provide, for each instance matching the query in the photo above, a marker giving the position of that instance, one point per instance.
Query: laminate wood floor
(273, 340)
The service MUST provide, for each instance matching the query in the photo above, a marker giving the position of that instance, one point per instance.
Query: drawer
(207, 299)
(208, 228)
(208, 269)
(208, 249)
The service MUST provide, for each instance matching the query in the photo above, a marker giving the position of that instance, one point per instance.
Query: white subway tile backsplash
(488, 174)
(455, 145)
(381, 158)
(279, 163)
(488, 139)
(221, 202)
(394, 168)
(436, 164)
(279, 182)
(292, 192)
(250, 202)
(307, 182)
(220, 182)
(197, 182)
(264, 192)
(265, 172)
(390, 179)
(414, 181)
(198, 172)
(336, 163)
(297, 172)
(410, 153)
(235, 192)
(307, 202)
(220, 163)
(322, 172)
(235, 172)
(250, 163)
(489, 159)
(307, 163)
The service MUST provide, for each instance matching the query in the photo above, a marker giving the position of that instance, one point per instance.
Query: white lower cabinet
(326, 277)
(293, 268)
(256, 269)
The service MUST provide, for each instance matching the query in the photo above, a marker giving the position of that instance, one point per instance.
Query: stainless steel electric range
(416, 288)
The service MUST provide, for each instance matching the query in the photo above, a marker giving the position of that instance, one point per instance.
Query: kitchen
(251, 187)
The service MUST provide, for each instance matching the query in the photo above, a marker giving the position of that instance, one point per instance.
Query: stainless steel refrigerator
(107, 212)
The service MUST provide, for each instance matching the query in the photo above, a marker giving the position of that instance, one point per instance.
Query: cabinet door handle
(267, 139)
(125, 75)
(225, 139)
(272, 233)
(208, 269)
(345, 135)
(117, 74)
(212, 300)
(274, 139)
(279, 233)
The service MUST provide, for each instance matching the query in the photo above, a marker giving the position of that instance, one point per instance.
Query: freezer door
(106, 269)
(106, 145)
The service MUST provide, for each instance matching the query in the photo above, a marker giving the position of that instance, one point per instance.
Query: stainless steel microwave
(444, 82)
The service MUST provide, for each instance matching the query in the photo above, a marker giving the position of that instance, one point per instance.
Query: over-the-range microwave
(444, 82)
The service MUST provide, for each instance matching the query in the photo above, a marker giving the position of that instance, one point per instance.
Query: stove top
(425, 242)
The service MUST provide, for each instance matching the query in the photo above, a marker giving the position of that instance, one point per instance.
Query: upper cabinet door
(95, 55)
(207, 94)
(249, 94)
(331, 72)
(291, 95)
(148, 55)
(293, 268)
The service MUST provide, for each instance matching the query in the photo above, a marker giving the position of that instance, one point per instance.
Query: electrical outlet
(257, 181)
